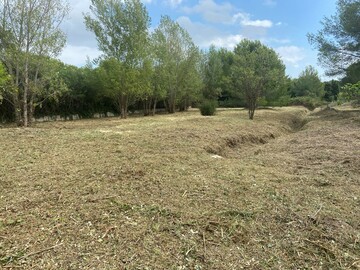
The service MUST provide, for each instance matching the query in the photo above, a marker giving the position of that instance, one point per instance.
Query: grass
(183, 191)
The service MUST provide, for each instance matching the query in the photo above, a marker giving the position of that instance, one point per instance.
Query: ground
(183, 191)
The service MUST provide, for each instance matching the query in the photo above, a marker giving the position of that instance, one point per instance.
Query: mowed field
(183, 191)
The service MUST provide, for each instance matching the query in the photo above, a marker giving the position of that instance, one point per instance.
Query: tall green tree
(308, 84)
(338, 42)
(256, 70)
(176, 63)
(121, 29)
(212, 72)
(331, 89)
(30, 34)
(352, 74)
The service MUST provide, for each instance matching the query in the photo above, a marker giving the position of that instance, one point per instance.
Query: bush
(308, 102)
(232, 103)
(351, 92)
(208, 107)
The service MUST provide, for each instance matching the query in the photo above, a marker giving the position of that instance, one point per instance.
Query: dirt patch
(245, 139)
(238, 142)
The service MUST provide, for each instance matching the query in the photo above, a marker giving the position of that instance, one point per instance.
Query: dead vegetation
(147, 193)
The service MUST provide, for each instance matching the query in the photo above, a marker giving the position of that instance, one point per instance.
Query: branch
(41, 251)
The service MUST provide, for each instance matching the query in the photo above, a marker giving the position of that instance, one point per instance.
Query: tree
(352, 74)
(176, 60)
(331, 89)
(212, 74)
(338, 42)
(4, 80)
(308, 84)
(29, 34)
(121, 29)
(256, 70)
(110, 77)
(351, 92)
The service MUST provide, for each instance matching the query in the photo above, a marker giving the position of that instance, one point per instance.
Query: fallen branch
(204, 243)
(107, 231)
(41, 251)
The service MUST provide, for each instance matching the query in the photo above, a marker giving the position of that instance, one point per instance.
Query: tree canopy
(175, 58)
(256, 70)
(338, 42)
(308, 84)
(30, 35)
(121, 29)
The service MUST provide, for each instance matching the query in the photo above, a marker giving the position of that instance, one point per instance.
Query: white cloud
(173, 3)
(201, 34)
(76, 55)
(224, 13)
(291, 55)
(212, 12)
(205, 35)
(228, 42)
(245, 20)
(276, 40)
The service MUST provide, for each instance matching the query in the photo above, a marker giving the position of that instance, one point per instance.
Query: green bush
(308, 102)
(232, 103)
(208, 107)
(350, 92)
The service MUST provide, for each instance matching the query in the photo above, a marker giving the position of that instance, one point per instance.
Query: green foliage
(352, 74)
(308, 102)
(212, 73)
(4, 80)
(338, 41)
(30, 37)
(331, 89)
(231, 102)
(176, 61)
(256, 70)
(208, 107)
(308, 84)
(351, 92)
(121, 29)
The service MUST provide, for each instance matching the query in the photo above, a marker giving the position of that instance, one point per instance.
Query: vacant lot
(183, 192)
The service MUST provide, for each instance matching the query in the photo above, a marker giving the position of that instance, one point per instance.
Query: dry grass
(183, 192)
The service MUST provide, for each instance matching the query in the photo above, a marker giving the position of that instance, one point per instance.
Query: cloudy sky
(280, 24)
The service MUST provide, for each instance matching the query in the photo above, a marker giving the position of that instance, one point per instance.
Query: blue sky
(280, 24)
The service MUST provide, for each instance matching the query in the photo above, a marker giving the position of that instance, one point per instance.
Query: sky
(280, 24)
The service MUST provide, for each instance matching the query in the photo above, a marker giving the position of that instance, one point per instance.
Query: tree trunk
(17, 103)
(154, 107)
(25, 97)
(31, 110)
(171, 105)
(252, 107)
(17, 110)
(123, 106)
(147, 106)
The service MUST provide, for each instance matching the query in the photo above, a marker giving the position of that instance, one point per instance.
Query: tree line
(145, 70)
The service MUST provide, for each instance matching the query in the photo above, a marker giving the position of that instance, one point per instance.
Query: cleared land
(183, 192)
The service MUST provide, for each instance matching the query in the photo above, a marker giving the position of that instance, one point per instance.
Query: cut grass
(147, 193)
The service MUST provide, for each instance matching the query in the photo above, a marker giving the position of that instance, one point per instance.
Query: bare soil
(183, 191)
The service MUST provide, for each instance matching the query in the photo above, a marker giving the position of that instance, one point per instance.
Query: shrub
(308, 102)
(351, 92)
(208, 107)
